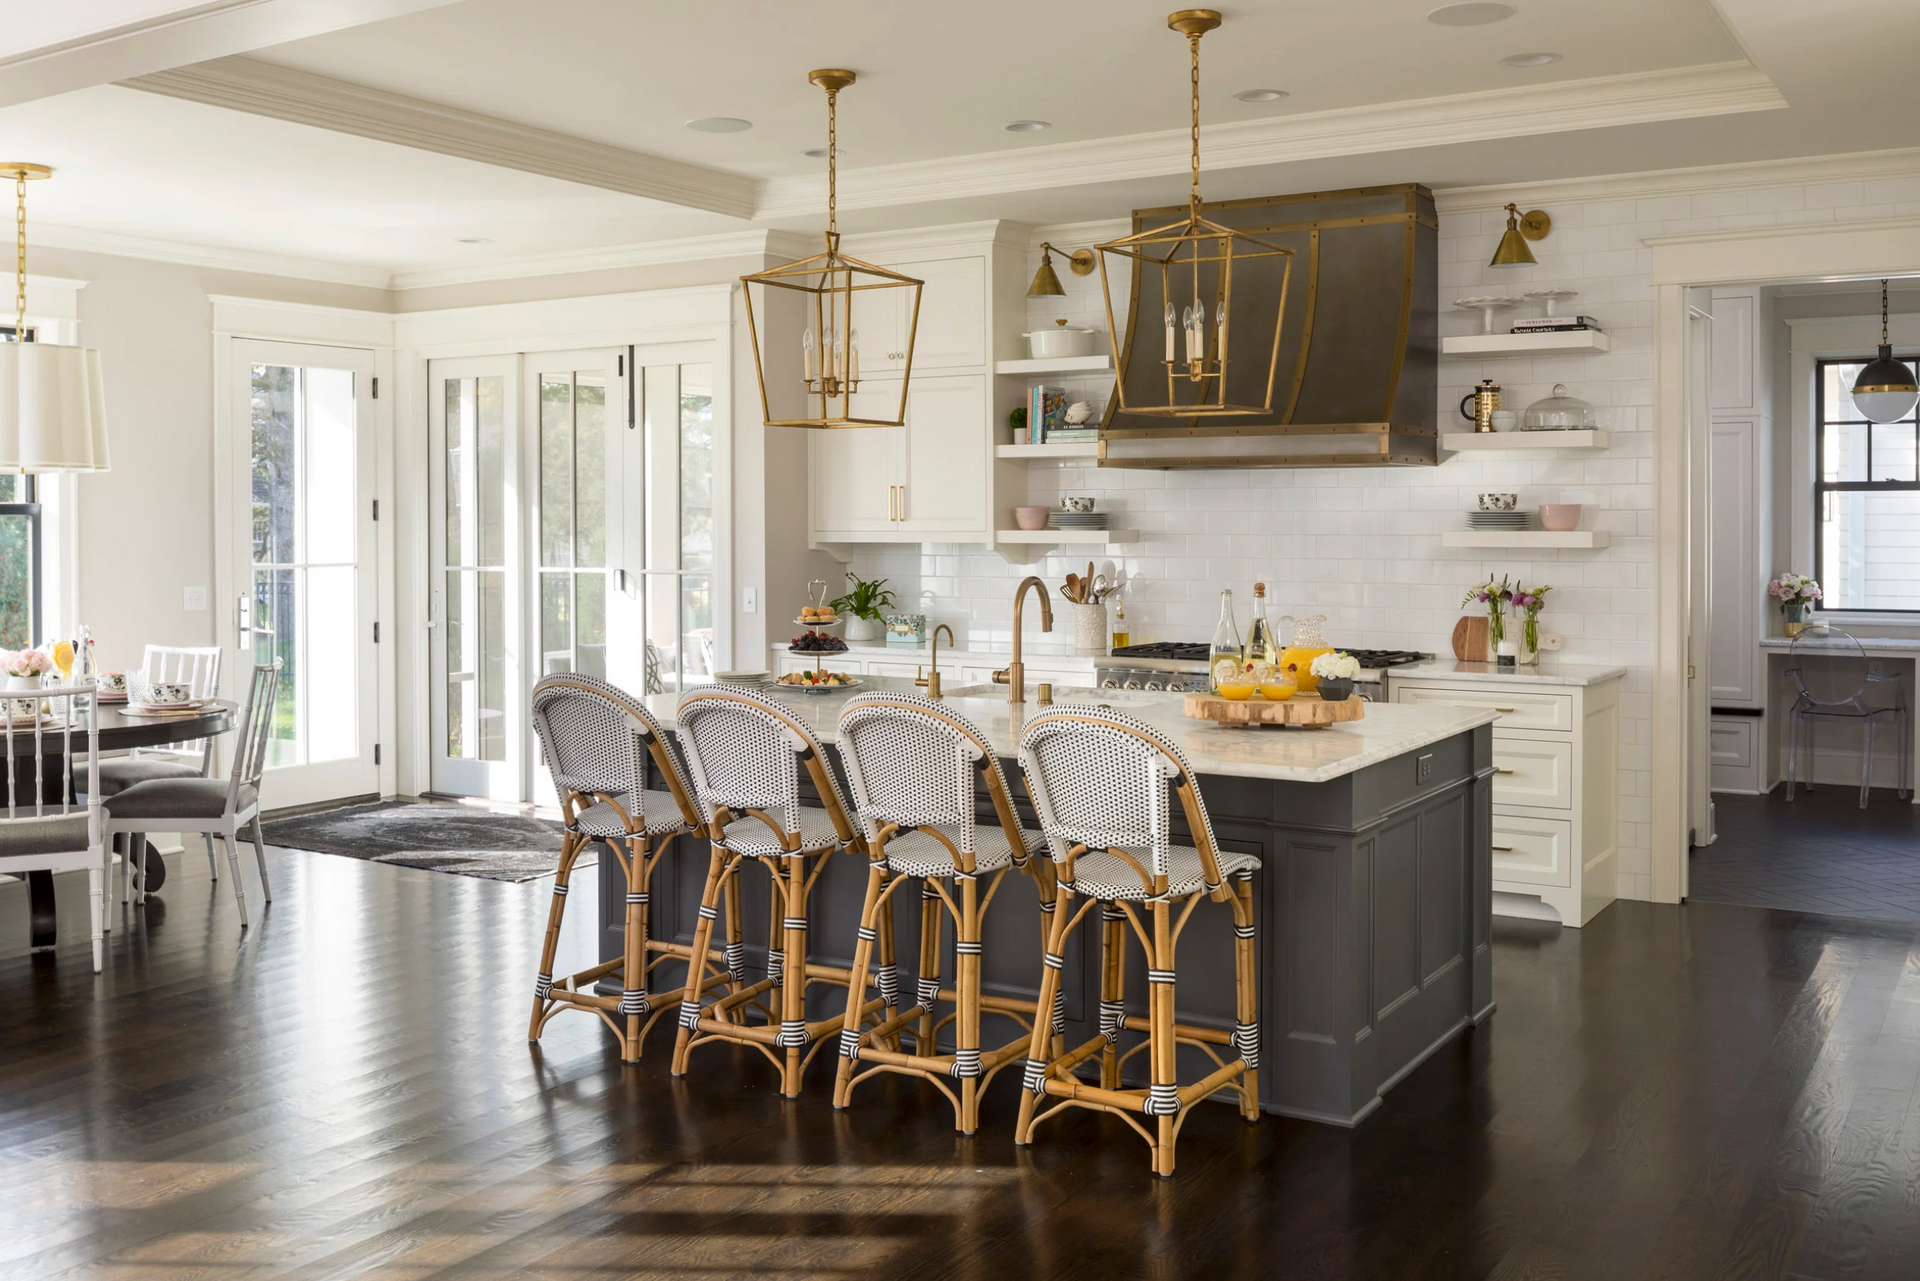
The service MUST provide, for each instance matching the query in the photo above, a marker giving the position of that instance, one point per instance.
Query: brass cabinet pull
(1503, 849)
(903, 502)
(1503, 709)
(891, 509)
(1498, 770)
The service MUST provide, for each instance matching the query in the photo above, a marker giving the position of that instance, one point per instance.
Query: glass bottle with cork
(1261, 659)
(1226, 657)
(1121, 636)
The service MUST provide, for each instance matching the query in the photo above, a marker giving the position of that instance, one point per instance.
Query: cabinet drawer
(1532, 851)
(1732, 741)
(1517, 710)
(1536, 772)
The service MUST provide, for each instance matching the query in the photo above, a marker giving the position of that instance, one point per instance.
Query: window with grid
(1866, 499)
(19, 562)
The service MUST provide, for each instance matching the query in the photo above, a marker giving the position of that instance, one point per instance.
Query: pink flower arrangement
(25, 662)
(1793, 587)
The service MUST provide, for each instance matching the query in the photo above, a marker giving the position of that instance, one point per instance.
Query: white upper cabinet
(944, 478)
(952, 332)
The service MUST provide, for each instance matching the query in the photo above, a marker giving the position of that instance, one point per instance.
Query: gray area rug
(464, 840)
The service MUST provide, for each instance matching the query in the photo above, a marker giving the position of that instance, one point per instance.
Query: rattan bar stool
(1099, 783)
(911, 765)
(745, 753)
(595, 738)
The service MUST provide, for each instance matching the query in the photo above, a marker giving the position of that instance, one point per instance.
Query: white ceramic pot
(1090, 635)
(1059, 341)
(861, 630)
(23, 682)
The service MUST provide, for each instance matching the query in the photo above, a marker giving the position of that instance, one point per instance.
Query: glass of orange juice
(1233, 679)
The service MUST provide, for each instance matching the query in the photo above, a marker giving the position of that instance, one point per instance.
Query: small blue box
(907, 629)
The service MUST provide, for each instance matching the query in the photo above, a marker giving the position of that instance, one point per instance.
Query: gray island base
(1374, 893)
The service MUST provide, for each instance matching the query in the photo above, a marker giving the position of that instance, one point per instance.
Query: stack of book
(1554, 324)
(1047, 417)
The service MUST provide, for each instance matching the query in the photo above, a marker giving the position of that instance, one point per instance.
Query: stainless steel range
(1182, 666)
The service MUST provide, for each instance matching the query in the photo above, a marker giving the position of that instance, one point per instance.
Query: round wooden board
(1309, 711)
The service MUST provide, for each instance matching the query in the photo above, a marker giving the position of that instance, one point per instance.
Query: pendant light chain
(1193, 191)
(20, 256)
(833, 162)
(1883, 313)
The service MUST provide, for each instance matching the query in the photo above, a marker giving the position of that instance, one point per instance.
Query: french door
(572, 525)
(302, 543)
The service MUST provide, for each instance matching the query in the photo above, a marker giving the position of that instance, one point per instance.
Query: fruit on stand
(817, 679)
(813, 642)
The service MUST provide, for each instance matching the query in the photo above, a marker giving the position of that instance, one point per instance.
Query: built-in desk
(1837, 747)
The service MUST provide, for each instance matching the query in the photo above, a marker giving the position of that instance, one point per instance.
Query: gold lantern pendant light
(52, 400)
(1885, 391)
(837, 293)
(1196, 259)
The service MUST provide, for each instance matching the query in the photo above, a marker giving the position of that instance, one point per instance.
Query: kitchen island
(1374, 894)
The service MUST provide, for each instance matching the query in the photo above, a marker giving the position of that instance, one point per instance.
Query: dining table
(114, 727)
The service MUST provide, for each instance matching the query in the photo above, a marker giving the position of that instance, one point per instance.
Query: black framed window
(20, 618)
(1866, 498)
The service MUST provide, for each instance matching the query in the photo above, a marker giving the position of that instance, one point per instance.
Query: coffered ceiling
(385, 133)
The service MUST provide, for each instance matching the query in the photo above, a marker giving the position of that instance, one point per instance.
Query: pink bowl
(1031, 517)
(1560, 516)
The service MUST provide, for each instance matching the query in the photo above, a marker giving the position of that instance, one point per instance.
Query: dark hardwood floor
(1710, 1091)
(1818, 853)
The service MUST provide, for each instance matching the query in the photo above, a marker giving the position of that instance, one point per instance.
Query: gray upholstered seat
(123, 772)
(179, 798)
(53, 834)
(1098, 874)
(660, 810)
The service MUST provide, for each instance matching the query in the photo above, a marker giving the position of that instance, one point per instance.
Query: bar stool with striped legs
(911, 764)
(595, 737)
(745, 754)
(1099, 782)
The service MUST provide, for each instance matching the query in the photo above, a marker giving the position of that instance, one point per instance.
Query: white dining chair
(198, 668)
(48, 826)
(210, 806)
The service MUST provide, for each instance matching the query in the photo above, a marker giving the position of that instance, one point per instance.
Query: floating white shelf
(1062, 449)
(1572, 342)
(1055, 365)
(1594, 438)
(1537, 539)
(1067, 537)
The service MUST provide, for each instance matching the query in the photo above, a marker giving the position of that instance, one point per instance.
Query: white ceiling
(1378, 94)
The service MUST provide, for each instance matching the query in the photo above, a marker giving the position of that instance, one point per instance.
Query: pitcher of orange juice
(1308, 644)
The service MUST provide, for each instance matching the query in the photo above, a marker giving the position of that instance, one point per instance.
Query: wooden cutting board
(1470, 639)
(1307, 710)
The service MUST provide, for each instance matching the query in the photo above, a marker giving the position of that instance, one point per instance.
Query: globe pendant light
(837, 293)
(1885, 391)
(1195, 260)
(52, 401)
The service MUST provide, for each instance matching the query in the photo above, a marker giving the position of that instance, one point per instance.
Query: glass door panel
(477, 704)
(676, 552)
(573, 522)
(308, 541)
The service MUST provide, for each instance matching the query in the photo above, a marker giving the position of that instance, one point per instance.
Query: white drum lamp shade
(52, 409)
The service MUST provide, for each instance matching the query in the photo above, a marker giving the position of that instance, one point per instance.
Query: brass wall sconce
(1521, 227)
(1046, 284)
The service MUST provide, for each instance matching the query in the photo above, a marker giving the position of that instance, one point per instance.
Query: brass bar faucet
(1014, 674)
(932, 679)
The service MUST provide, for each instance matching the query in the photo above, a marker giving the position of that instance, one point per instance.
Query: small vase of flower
(25, 668)
(1796, 594)
(1496, 597)
(1336, 671)
(1527, 602)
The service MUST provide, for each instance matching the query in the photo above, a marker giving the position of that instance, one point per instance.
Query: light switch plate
(750, 600)
(194, 599)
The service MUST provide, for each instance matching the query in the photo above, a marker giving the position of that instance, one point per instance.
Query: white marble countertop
(1875, 646)
(1289, 755)
(1532, 674)
(1053, 654)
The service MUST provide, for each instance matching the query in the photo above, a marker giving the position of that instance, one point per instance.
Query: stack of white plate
(1499, 520)
(1077, 520)
(744, 678)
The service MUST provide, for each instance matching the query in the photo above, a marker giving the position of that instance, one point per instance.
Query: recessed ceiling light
(1469, 15)
(474, 240)
(1261, 95)
(1027, 126)
(719, 124)
(1530, 59)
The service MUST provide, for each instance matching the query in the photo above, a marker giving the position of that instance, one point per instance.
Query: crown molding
(992, 231)
(732, 244)
(1860, 166)
(1788, 231)
(1527, 110)
(210, 256)
(284, 93)
(1079, 235)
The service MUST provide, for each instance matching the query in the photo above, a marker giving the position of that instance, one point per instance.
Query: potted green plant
(863, 603)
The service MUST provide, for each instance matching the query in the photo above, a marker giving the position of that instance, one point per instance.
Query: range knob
(1131, 684)
(1109, 683)
(1154, 685)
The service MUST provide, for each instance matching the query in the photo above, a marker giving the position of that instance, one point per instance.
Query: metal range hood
(1359, 343)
